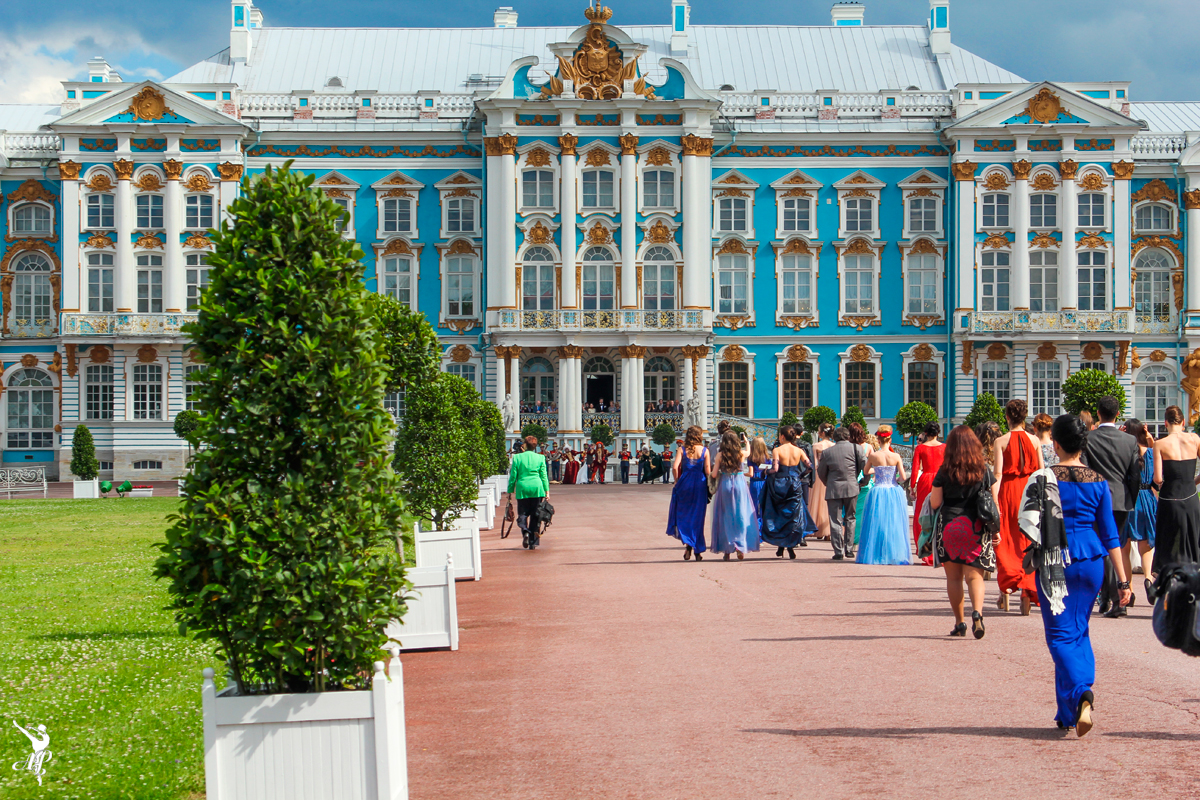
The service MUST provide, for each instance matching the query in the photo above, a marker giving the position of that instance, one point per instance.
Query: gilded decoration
(338, 193)
(100, 182)
(598, 234)
(922, 321)
(796, 323)
(333, 179)
(800, 180)
(148, 242)
(997, 352)
(504, 145)
(1122, 355)
(597, 157)
(796, 247)
(460, 247)
(1093, 182)
(1044, 240)
(633, 351)
(365, 151)
(198, 182)
(462, 191)
(537, 119)
(1177, 287)
(32, 190)
(397, 247)
(537, 158)
(1092, 241)
(1135, 360)
(734, 353)
(459, 326)
(568, 142)
(1044, 107)
(173, 168)
(859, 247)
(1155, 191)
(733, 246)
(24, 246)
(1047, 352)
(571, 351)
(733, 323)
(806, 193)
(55, 366)
(659, 233)
(923, 247)
(996, 240)
(539, 234)
(1191, 384)
(69, 170)
(732, 193)
(29, 360)
(398, 180)
(1158, 356)
(858, 322)
(460, 354)
(921, 193)
(923, 352)
(146, 354)
(863, 179)
(859, 192)
(1191, 200)
(1021, 169)
(148, 104)
(1123, 170)
(797, 353)
(99, 240)
(658, 157)
(1158, 241)
(1067, 169)
(693, 145)
(850, 151)
(396, 193)
(99, 354)
(149, 182)
(124, 169)
(197, 241)
(733, 177)
(1092, 351)
(1044, 182)
(963, 170)
(995, 180)
(72, 362)
(229, 171)
(860, 352)
(967, 346)
(629, 143)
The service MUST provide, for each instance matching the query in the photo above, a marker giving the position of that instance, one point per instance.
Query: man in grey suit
(1114, 454)
(839, 469)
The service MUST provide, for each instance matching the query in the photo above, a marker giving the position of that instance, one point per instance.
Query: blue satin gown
(689, 504)
(783, 510)
(884, 538)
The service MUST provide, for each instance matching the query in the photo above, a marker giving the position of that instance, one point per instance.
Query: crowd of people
(590, 465)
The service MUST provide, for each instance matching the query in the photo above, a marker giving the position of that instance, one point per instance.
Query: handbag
(542, 516)
(986, 510)
(1176, 619)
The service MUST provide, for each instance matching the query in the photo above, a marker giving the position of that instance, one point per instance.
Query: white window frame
(456, 250)
(980, 220)
(554, 167)
(859, 186)
(1106, 206)
(1105, 211)
(199, 226)
(397, 186)
(1058, 284)
(137, 213)
(939, 360)
(9, 393)
(86, 292)
(583, 167)
(46, 276)
(734, 246)
(983, 378)
(813, 361)
(201, 257)
(672, 165)
(161, 269)
(1170, 369)
(1108, 278)
(399, 247)
(939, 279)
(979, 282)
(555, 264)
(676, 264)
(1172, 229)
(131, 362)
(84, 200)
(875, 255)
(747, 359)
(794, 248)
(34, 205)
(340, 189)
(189, 367)
(1058, 211)
(1170, 269)
(924, 185)
(460, 186)
(475, 361)
(582, 263)
(797, 185)
(733, 186)
(875, 358)
(85, 384)
(1064, 372)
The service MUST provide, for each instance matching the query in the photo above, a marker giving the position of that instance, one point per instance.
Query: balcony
(572, 320)
(1039, 322)
(549, 421)
(157, 325)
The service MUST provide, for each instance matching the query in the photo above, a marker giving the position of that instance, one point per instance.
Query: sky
(1150, 44)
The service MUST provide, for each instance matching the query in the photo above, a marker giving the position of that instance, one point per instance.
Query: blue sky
(1065, 40)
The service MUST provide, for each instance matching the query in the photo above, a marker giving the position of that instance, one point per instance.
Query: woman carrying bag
(529, 483)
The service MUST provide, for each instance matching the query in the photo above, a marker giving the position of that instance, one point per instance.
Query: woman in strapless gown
(1177, 527)
(884, 537)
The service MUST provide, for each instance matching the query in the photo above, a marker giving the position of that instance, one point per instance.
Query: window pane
(860, 387)
(923, 383)
(734, 389)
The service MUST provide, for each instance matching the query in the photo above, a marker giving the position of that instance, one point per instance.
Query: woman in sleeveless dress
(1139, 525)
(816, 496)
(689, 498)
(783, 514)
(927, 459)
(884, 537)
(1177, 529)
(1041, 429)
(858, 437)
(1017, 456)
(735, 520)
(760, 464)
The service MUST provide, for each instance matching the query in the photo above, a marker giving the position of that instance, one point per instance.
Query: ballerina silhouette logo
(40, 755)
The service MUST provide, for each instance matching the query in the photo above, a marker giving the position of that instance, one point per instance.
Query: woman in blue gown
(689, 498)
(884, 538)
(760, 464)
(782, 508)
(735, 520)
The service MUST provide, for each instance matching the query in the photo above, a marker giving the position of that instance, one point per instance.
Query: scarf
(1041, 520)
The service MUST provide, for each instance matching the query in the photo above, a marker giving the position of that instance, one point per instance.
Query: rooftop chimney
(99, 71)
(680, 14)
(847, 14)
(939, 27)
(246, 20)
(505, 17)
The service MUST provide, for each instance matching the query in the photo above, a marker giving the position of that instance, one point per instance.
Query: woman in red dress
(927, 459)
(1017, 456)
(571, 472)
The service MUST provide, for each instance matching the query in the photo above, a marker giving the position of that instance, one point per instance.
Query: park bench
(22, 480)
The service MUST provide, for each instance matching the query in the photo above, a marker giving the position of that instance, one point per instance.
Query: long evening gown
(735, 520)
(689, 504)
(1020, 461)
(861, 501)
(927, 460)
(758, 479)
(571, 472)
(1139, 526)
(1177, 529)
(782, 509)
(816, 499)
(884, 537)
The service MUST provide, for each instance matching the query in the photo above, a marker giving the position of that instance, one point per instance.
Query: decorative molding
(100, 182)
(858, 247)
(1135, 360)
(967, 346)
(634, 351)
(149, 182)
(1123, 170)
(963, 170)
(860, 352)
(1092, 351)
(996, 180)
(198, 182)
(1155, 191)
(1021, 169)
(537, 158)
(146, 354)
(99, 354)
(859, 321)
(1092, 241)
(1177, 287)
(598, 234)
(570, 351)
(997, 352)
(229, 171)
(124, 169)
(1044, 107)
(694, 145)
(797, 353)
(923, 247)
(922, 352)
(797, 323)
(1047, 352)
(539, 234)
(659, 233)
(148, 104)
(460, 354)
(996, 240)
(29, 360)
(733, 246)
(1092, 182)
(597, 157)
(1122, 355)
(797, 246)
(198, 241)
(658, 157)
(567, 143)
(397, 247)
(923, 321)
(1067, 169)
(99, 240)
(459, 326)
(69, 170)
(629, 143)
(31, 190)
(72, 362)
(1158, 356)
(460, 247)
(732, 193)
(1043, 240)
(504, 145)
(733, 323)
(1191, 384)
(148, 242)
(733, 353)
(1044, 182)
(1191, 200)
(1161, 242)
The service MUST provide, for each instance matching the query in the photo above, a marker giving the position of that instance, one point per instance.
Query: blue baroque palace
(615, 224)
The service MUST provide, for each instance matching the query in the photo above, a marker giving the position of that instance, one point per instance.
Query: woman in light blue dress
(735, 520)
(884, 538)
(759, 463)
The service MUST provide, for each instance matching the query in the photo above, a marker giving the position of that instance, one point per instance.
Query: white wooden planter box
(485, 510)
(140, 493)
(432, 617)
(86, 490)
(345, 745)
(498, 484)
(461, 542)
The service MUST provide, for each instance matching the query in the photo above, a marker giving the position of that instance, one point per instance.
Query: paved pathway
(604, 666)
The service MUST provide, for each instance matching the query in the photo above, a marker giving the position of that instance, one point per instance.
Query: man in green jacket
(528, 482)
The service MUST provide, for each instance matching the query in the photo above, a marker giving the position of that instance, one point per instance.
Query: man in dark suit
(839, 469)
(1114, 454)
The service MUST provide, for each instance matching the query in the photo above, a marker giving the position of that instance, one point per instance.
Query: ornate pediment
(598, 69)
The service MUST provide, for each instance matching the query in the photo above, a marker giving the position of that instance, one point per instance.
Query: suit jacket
(839, 470)
(1114, 454)
(810, 476)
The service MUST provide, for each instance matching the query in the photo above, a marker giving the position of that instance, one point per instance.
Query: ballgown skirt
(884, 536)
(571, 472)
(783, 512)
(735, 520)
(689, 504)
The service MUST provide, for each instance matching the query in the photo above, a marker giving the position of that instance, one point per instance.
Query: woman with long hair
(759, 463)
(783, 514)
(884, 537)
(689, 498)
(816, 495)
(1041, 428)
(858, 438)
(1177, 529)
(988, 432)
(1018, 455)
(959, 542)
(735, 521)
(1139, 525)
(927, 458)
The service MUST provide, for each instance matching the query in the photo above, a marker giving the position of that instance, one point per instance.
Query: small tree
(604, 434)
(853, 414)
(817, 416)
(186, 422)
(663, 434)
(986, 409)
(491, 423)
(533, 429)
(83, 454)
(788, 418)
(1085, 388)
(912, 418)
(411, 349)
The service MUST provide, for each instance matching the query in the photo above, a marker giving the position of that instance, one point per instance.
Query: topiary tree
(912, 418)
(84, 465)
(604, 434)
(186, 422)
(533, 429)
(663, 434)
(853, 414)
(986, 409)
(1085, 388)
(283, 550)
(788, 418)
(411, 349)
(491, 423)
(817, 416)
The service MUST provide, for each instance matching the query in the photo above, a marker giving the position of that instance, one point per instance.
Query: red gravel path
(604, 666)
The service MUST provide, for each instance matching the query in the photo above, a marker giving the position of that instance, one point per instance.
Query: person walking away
(927, 459)
(1113, 454)
(1017, 456)
(988, 432)
(816, 495)
(1068, 510)
(1177, 528)
(759, 463)
(960, 545)
(624, 457)
(529, 483)
(735, 521)
(884, 537)
(1041, 428)
(714, 447)
(689, 498)
(839, 469)
(783, 511)
(1139, 525)
(859, 438)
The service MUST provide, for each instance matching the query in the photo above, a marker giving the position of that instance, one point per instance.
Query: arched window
(598, 365)
(659, 381)
(537, 280)
(658, 188)
(1093, 280)
(599, 383)
(1046, 388)
(599, 279)
(1152, 289)
(396, 279)
(31, 290)
(658, 280)
(1154, 217)
(31, 218)
(537, 383)
(1155, 388)
(30, 410)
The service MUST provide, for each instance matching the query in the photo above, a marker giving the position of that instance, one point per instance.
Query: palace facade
(746, 219)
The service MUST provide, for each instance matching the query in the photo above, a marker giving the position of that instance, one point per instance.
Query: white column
(125, 272)
(506, 222)
(174, 286)
(965, 192)
(73, 288)
(1068, 269)
(501, 376)
(629, 298)
(564, 401)
(1123, 297)
(577, 396)
(1193, 241)
(628, 398)
(685, 391)
(703, 387)
(638, 418)
(567, 229)
(1020, 252)
(697, 222)
(495, 221)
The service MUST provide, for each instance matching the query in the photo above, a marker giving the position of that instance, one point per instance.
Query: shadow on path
(912, 733)
(846, 638)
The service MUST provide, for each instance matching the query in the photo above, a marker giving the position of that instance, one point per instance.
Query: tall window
(922, 284)
(149, 211)
(464, 371)
(100, 283)
(537, 382)
(733, 395)
(1043, 211)
(995, 380)
(858, 273)
(1043, 280)
(1091, 210)
(922, 215)
(995, 211)
(1154, 217)
(797, 387)
(1046, 388)
(658, 188)
(860, 214)
(98, 400)
(860, 387)
(537, 188)
(796, 273)
(197, 278)
(733, 284)
(31, 218)
(994, 279)
(198, 211)
(189, 386)
(100, 211)
(659, 380)
(149, 285)
(30, 410)
(598, 188)
(31, 288)
(345, 219)
(393, 402)
(731, 214)
(397, 215)
(147, 391)
(1152, 290)
(1155, 390)
(397, 279)
(537, 280)
(460, 215)
(1093, 295)
(599, 280)
(460, 286)
(797, 214)
(923, 383)
(658, 280)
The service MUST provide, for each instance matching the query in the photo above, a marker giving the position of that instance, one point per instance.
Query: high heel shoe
(1150, 596)
(779, 552)
(792, 553)
(687, 553)
(698, 557)
(977, 624)
(1002, 601)
(726, 558)
(960, 629)
(1083, 722)
(741, 555)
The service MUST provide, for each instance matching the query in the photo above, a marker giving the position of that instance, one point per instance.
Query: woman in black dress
(1177, 529)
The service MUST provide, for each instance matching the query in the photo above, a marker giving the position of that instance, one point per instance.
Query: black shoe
(838, 556)
(1150, 596)
(791, 554)
(779, 552)
(525, 540)
(687, 553)
(1105, 606)
(803, 543)
(699, 557)
(1116, 612)
(959, 630)
(977, 624)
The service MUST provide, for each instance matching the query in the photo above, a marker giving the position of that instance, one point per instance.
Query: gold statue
(1191, 384)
